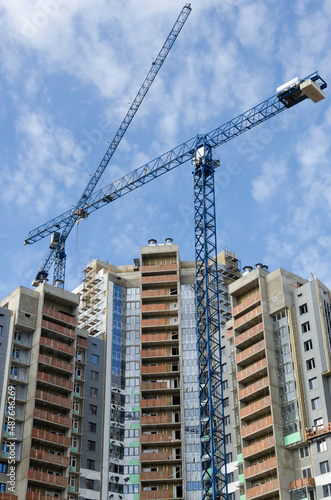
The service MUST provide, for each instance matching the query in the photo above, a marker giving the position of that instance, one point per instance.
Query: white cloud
(268, 183)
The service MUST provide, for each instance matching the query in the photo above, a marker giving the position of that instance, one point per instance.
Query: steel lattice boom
(58, 254)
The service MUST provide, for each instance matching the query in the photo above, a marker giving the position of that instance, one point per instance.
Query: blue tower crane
(56, 253)
(199, 150)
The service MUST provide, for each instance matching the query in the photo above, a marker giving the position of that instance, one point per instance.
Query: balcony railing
(62, 330)
(155, 419)
(249, 336)
(53, 380)
(153, 386)
(302, 482)
(57, 346)
(59, 316)
(257, 428)
(150, 403)
(317, 431)
(51, 458)
(156, 438)
(253, 390)
(261, 468)
(159, 279)
(32, 495)
(154, 495)
(50, 417)
(265, 490)
(247, 319)
(246, 304)
(253, 371)
(53, 399)
(255, 408)
(42, 435)
(159, 267)
(259, 448)
(56, 363)
(250, 354)
(44, 477)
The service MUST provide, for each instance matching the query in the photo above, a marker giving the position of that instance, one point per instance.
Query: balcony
(254, 390)
(302, 482)
(251, 354)
(50, 437)
(9, 496)
(266, 490)
(44, 477)
(158, 338)
(164, 308)
(59, 382)
(262, 469)
(156, 419)
(156, 268)
(50, 458)
(250, 336)
(246, 305)
(155, 280)
(257, 428)
(153, 386)
(248, 320)
(253, 410)
(317, 431)
(57, 346)
(53, 399)
(259, 448)
(165, 370)
(46, 416)
(157, 476)
(162, 456)
(64, 318)
(154, 353)
(154, 495)
(253, 372)
(163, 439)
(60, 330)
(82, 342)
(32, 495)
(159, 403)
(56, 364)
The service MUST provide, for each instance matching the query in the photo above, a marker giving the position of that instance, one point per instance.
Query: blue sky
(68, 73)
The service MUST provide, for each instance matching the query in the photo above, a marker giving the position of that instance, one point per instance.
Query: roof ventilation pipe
(258, 265)
(247, 269)
(152, 242)
(169, 241)
(264, 267)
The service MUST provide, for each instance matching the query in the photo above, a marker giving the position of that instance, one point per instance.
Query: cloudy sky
(68, 73)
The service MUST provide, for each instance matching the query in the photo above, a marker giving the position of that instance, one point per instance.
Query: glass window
(308, 345)
(303, 309)
(321, 445)
(304, 451)
(90, 464)
(306, 472)
(93, 392)
(310, 363)
(91, 445)
(94, 375)
(226, 402)
(230, 477)
(94, 359)
(327, 490)
(90, 484)
(305, 327)
(93, 409)
(316, 404)
(313, 383)
(324, 467)
(92, 427)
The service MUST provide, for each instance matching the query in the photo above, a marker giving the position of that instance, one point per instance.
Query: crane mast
(199, 150)
(57, 250)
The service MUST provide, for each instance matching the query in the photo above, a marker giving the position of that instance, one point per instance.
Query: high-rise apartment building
(142, 325)
(41, 399)
(280, 337)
